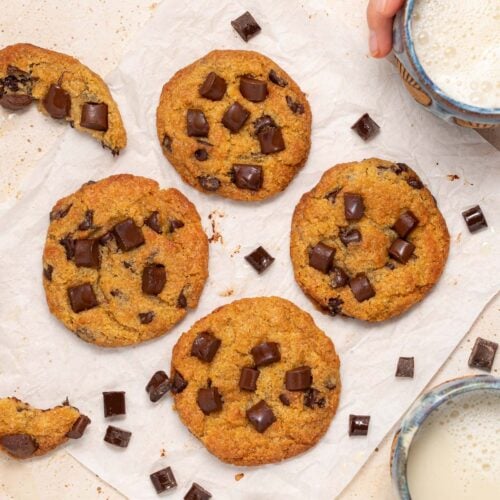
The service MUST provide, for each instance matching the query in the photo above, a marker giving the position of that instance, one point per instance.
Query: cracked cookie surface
(256, 381)
(123, 260)
(235, 124)
(64, 89)
(368, 241)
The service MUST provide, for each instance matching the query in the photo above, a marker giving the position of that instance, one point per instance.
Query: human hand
(380, 14)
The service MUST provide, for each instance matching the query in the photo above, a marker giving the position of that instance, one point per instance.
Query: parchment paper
(43, 363)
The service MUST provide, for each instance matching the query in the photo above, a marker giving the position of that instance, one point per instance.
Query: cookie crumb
(239, 476)
(453, 177)
(163, 452)
(227, 293)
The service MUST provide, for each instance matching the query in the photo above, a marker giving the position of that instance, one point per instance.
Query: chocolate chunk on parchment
(163, 480)
(259, 259)
(483, 354)
(474, 218)
(358, 425)
(158, 386)
(113, 403)
(405, 367)
(196, 492)
(117, 437)
(365, 127)
(246, 26)
(78, 428)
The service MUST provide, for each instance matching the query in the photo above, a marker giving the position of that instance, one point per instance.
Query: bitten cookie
(368, 241)
(123, 260)
(29, 432)
(256, 381)
(65, 90)
(234, 123)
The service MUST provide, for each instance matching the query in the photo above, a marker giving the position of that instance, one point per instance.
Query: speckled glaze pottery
(423, 90)
(420, 410)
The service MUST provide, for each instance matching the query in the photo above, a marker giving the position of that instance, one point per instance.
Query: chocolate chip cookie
(368, 241)
(256, 381)
(64, 89)
(234, 123)
(123, 260)
(27, 432)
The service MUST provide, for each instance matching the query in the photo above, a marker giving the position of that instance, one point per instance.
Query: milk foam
(458, 45)
(456, 453)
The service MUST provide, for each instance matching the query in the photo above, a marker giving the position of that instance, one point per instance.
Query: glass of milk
(448, 447)
(448, 55)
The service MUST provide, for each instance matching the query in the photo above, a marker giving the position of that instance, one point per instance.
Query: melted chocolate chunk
(266, 353)
(117, 437)
(69, 246)
(128, 235)
(167, 142)
(95, 116)
(415, 183)
(196, 492)
(82, 297)
(114, 403)
(400, 168)
(358, 425)
(181, 300)
(348, 236)
(205, 346)
(365, 127)
(163, 480)
(335, 306)
(235, 117)
(16, 78)
(15, 102)
(401, 250)
(78, 428)
(248, 378)
(354, 207)
(19, 445)
(87, 253)
(259, 259)
(252, 89)
(158, 386)
(321, 257)
(406, 223)
(47, 272)
(361, 287)
(197, 124)
(201, 154)
(483, 354)
(271, 140)
(312, 399)
(87, 222)
(261, 416)
(295, 106)
(276, 79)
(339, 277)
(153, 221)
(209, 183)
(284, 399)
(209, 400)
(246, 26)
(146, 318)
(57, 102)
(332, 195)
(106, 238)
(474, 218)
(154, 278)
(60, 213)
(178, 383)
(262, 123)
(174, 224)
(298, 379)
(405, 368)
(247, 176)
(214, 87)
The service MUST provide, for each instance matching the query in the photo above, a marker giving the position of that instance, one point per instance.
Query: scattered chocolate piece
(405, 368)
(235, 117)
(197, 124)
(78, 428)
(361, 287)
(15, 102)
(128, 235)
(167, 142)
(298, 379)
(117, 437)
(201, 154)
(174, 224)
(252, 89)
(275, 78)
(259, 259)
(19, 445)
(181, 300)
(321, 257)
(483, 354)
(354, 207)
(261, 416)
(415, 183)
(95, 116)
(205, 346)
(474, 218)
(406, 223)
(284, 399)
(87, 253)
(266, 353)
(295, 106)
(271, 140)
(335, 306)
(339, 277)
(332, 195)
(57, 102)
(209, 400)
(154, 278)
(106, 238)
(88, 220)
(82, 297)
(248, 378)
(214, 87)
(348, 236)
(114, 403)
(158, 386)
(365, 127)
(196, 492)
(247, 176)
(178, 383)
(47, 272)
(358, 425)
(146, 317)
(312, 399)
(246, 26)
(153, 221)
(69, 246)
(401, 250)
(60, 213)
(163, 480)
(209, 183)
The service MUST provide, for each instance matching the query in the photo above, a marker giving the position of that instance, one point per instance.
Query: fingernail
(382, 6)
(373, 42)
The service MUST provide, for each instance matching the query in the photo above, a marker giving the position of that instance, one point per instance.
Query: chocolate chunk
(167, 142)
(235, 117)
(128, 235)
(252, 89)
(82, 297)
(262, 123)
(87, 222)
(95, 116)
(248, 378)
(146, 318)
(295, 106)
(178, 383)
(114, 403)
(348, 236)
(332, 195)
(261, 416)
(174, 224)
(271, 140)
(321, 257)
(201, 154)
(474, 218)
(312, 399)
(298, 379)
(361, 287)
(69, 246)
(154, 278)
(415, 183)
(259, 259)
(57, 102)
(15, 102)
(209, 400)
(106, 238)
(158, 386)
(390, 265)
(335, 306)
(483, 354)
(401, 250)
(15, 78)
(405, 367)
(197, 124)
(209, 183)
(87, 253)
(153, 221)
(78, 428)
(400, 168)
(60, 213)
(266, 353)
(181, 300)
(47, 272)
(117, 436)
(19, 445)
(196, 492)
(358, 425)
(247, 176)
(365, 127)
(406, 223)
(205, 346)
(163, 480)
(275, 78)
(339, 277)
(214, 87)
(246, 26)
(354, 207)
(284, 399)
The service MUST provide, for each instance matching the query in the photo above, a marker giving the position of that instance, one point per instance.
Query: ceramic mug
(423, 90)
(416, 416)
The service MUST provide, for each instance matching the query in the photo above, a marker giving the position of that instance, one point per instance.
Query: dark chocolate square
(483, 354)
(114, 403)
(405, 368)
(259, 259)
(246, 26)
